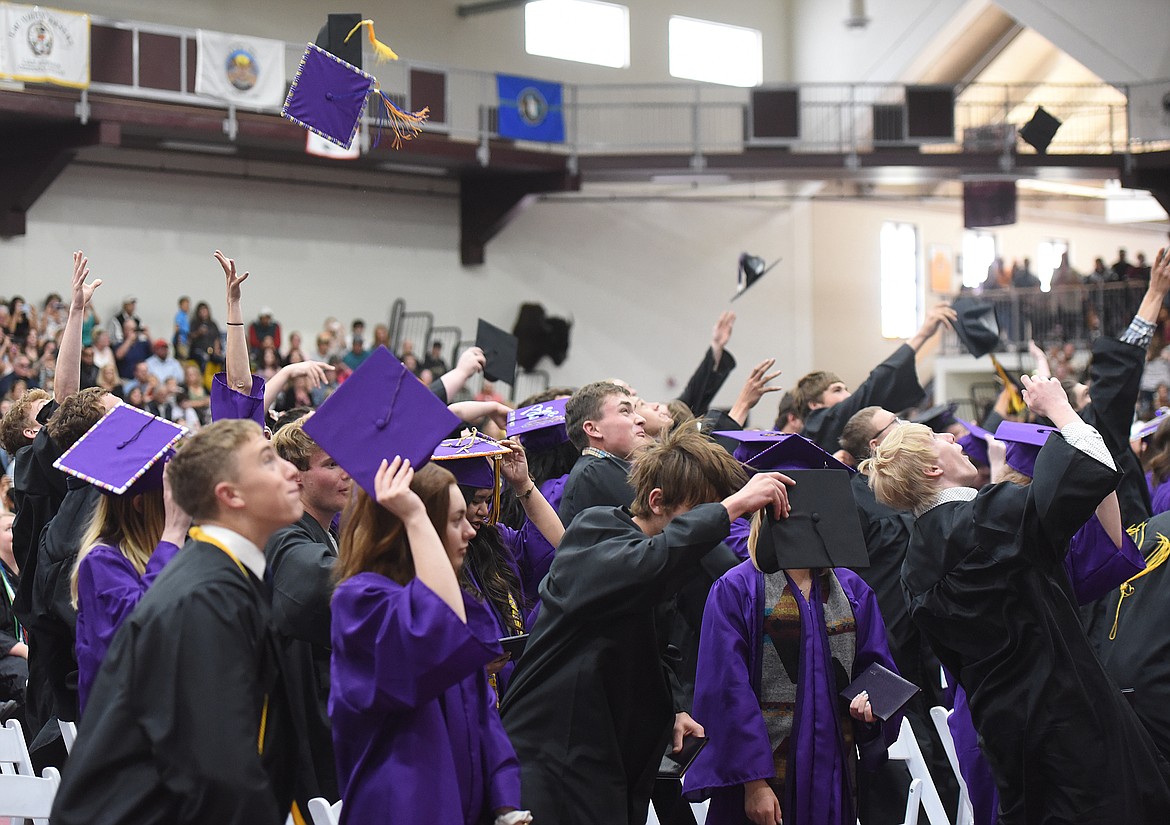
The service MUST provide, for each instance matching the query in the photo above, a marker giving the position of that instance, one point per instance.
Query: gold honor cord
(1156, 559)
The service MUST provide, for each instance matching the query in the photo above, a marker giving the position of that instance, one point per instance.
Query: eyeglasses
(893, 421)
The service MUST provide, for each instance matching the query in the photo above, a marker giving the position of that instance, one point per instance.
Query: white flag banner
(246, 71)
(322, 148)
(40, 45)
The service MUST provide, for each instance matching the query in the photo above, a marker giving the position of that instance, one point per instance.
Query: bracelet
(231, 324)
(528, 492)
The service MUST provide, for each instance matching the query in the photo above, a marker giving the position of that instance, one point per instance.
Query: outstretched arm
(941, 314)
(67, 376)
(753, 390)
(469, 363)
(239, 369)
(1158, 288)
(315, 371)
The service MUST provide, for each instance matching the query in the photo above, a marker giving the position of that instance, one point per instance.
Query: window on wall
(586, 31)
(978, 256)
(715, 52)
(1048, 259)
(899, 277)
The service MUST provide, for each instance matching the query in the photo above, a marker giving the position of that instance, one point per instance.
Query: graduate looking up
(826, 403)
(605, 427)
(590, 708)
(188, 719)
(984, 582)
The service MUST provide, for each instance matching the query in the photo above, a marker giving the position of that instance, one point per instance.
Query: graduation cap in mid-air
(750, 269)
(976, 325)
(823, 528)
(499, 352)
(328, 95)
(1023, 442)
(124, 452)
(379, 412)
(474, 460)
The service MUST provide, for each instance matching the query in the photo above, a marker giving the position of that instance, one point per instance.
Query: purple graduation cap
(474, 460)
(1023, 444)
(379, 412)
(794, 452)
(751, 442)
(124, 452)
(328, 96)
(540, 426)
(974, 443)
(1150, 427)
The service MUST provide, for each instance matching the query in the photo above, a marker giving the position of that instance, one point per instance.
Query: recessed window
(978, 256)
(1049, 256)
(716, 52)
(582, 30)
(899, 262)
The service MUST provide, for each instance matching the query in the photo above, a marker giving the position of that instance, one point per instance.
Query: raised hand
(762, 489)
(514, 465)
(721, 333)
(234, 281)
(81, 292)
(392, 488)
(1046, 397)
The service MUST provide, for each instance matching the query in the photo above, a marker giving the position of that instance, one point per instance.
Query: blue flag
(530, 109)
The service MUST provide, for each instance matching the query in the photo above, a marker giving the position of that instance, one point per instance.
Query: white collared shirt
(248, 553)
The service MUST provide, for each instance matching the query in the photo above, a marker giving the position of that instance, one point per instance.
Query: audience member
(117, 324)
(181, 338)
(161, 365)
(434, 360)
(264, 331)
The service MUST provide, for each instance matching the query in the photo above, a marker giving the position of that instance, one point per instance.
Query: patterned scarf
(780, 662)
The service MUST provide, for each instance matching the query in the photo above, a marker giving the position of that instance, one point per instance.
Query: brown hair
(789, 405)
(1159, 463)
(585, 405)
(810, 389)
(17, 419)
(688, 467)
(294, 445)
(77, 413)
(205, 460)
(858, 432)
(133, 524)
(374, 540)
(551, 394)
(897, 468)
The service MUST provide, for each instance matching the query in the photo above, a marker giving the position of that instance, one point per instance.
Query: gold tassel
(406, 125)
(1157, 559)
(382, 52)
(497, 465)
(1015, 400)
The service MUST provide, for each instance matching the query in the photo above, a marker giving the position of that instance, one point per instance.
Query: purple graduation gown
(727, 706)
(532, 556)
(1160, 501)
(1094, 566)
(229, 403)
(415, 728)
(108, 589)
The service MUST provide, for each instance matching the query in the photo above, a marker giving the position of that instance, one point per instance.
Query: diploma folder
(674, 765)
(514, 645)
(888, 692)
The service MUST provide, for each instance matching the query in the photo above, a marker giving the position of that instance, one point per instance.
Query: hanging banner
(530, 109)
(323, 148)
(246, 71)
(42, 45)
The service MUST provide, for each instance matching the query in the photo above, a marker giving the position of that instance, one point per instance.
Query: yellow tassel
(1015, 400)
(381, 51)
(1156, 559)
(406, 125)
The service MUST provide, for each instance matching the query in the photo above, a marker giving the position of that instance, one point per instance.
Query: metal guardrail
(697, 118)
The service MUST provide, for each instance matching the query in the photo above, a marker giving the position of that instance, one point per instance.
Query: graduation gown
(595, 482)
(415, 726)
(706, 381)
(187, 721)
(985, 584)
(230, 403)
(108, 590)
(590, 707)
(893, 384)
(300, 559)
(727, 704)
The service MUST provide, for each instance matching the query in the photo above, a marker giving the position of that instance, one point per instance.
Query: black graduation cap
(938, 418)
(751, 268)
(332, 38)
(822, 529)
(976, 325)
(499, 350)
(1040, 130)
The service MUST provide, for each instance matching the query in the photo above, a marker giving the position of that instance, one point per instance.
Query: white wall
(644, 282)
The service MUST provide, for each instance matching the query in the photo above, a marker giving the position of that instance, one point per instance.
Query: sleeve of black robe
(1116, 374)
(599, 482)
(1066, 489)
(302, 585)
(706, 382)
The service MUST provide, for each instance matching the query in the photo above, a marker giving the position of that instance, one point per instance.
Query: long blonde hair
(133, 524)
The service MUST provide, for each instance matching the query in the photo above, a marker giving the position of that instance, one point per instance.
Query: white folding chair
(23, 794)
(913, 802)
(324, 813)
(68, 734)
(940, 716)
(907, 750)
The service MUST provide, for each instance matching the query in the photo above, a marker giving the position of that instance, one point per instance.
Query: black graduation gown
(589, 706)
(706, 382)
(985, 584)
(300, 558)
(887, 535)
(1138, 655)
(13, 669)
(1115, 377)
(173, 724)
(596, 482)
(893, 384)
